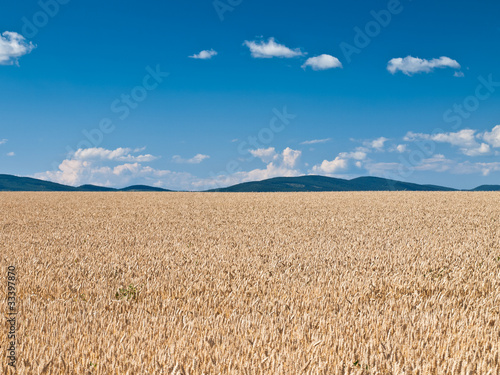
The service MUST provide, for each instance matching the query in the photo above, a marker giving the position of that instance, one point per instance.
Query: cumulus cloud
(264, 154)
(341, 162)
(315, 141)
(465, 139)
(12, 47)
(436, 163)
(204, 55)
(3, 141)
(114, 168)
(493, 137)
(482, 149)
(11, 154)
(485, 168)
(411, 65)
(356, 155)
(322, 62)
(120, 154)
(284, 164)
(269, 49)
(330, 167)
(290, 157)
(197, 159)
(378, 143)
(401, 148)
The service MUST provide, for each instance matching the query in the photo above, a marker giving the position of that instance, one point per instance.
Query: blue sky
(199, 94)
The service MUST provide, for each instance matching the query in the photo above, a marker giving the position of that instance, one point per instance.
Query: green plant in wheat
(130, 293)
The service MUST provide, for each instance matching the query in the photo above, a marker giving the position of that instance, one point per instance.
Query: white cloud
(436, 163)
(11, 154)
(197, 159)
(282, 164)
(3, 141)
(378, 143)
(356, 155)
(411, 65)
(330, 167)
(76, 172)
(264, 154)
(465, 139)
(271, 170)
(401, 148)
(290, 157)
(12, 47)
(322, 62)
(341, 161)
(459, 74)
(471, 168)
(99, 167)
(204, 55)
(482, 149)
(120, 154)
(271, 49)
(493, 137)
(315, 141)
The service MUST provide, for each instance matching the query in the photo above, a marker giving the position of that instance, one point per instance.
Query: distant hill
(143, 188)
(14, 183)
(322, 183)
(277, 184)
(487, 188)
(284, 184)
(94, 188)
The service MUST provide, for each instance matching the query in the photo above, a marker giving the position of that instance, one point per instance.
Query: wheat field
(269, 283)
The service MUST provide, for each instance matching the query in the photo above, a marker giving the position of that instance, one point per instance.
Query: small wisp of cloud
(315, 141)
(197, 159)
(270, 49)
(204, 55)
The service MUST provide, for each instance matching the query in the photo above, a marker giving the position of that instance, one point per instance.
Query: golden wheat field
(270, 283)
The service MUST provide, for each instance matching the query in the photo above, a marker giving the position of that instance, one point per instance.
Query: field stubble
(312, 283)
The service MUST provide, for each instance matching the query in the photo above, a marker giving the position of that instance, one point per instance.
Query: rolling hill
(277, 184)
(14, 183)
(322, 183)
(487, 188)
